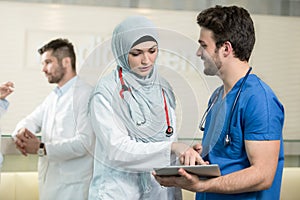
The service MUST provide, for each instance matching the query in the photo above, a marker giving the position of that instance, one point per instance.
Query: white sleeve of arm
(120, 150)
(33, 122)
(2, 111)
(3, 106)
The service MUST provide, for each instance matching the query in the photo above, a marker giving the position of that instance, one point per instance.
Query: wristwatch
(41, 151)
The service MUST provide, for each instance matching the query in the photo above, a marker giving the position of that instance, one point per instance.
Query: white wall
(25, 27)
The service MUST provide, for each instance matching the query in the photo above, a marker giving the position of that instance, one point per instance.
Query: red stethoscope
(169, 131)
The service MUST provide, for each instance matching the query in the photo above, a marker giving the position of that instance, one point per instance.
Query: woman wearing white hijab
(133, 116)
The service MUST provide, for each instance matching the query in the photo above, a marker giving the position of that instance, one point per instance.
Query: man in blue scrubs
(245, 140)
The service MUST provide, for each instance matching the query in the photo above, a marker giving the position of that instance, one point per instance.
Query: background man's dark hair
(60, 48)
(232, 24)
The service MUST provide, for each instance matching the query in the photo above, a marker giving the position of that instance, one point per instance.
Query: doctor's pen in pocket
(227, 139)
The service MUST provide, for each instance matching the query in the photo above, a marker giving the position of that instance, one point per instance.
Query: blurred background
(263, 7)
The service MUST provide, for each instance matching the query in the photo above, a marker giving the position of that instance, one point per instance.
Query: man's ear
(227, 48)
(66, 62)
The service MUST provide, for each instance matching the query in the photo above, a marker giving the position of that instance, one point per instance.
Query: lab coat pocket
(76, 170)
(75, 177)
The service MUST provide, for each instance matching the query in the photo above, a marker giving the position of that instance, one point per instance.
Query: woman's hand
(198, 147)
(187, 155)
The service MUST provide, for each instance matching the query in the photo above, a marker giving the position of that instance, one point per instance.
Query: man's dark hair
(232, 24)
(60, 48)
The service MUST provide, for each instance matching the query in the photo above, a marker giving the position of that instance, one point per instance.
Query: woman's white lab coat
(122, 166)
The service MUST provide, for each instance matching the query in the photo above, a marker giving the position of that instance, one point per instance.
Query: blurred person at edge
(133, 114)
(5, 90)
(249, 145)
(66, 162)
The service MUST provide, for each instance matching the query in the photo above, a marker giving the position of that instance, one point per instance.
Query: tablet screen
(205, 171)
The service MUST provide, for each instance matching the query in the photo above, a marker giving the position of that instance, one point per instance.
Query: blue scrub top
(258, 116)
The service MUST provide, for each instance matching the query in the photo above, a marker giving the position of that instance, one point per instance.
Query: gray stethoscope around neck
(227, 140)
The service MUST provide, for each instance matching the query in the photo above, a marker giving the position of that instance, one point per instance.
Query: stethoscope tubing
(203, 119)
(236, 100)
(169, 130)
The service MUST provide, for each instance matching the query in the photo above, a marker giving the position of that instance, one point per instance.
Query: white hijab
(142, 109)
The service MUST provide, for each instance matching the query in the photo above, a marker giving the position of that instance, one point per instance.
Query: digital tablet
(205, 171)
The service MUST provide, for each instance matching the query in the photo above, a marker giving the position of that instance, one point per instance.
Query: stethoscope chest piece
(169, 131)
(139, 123)
(227, 140)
